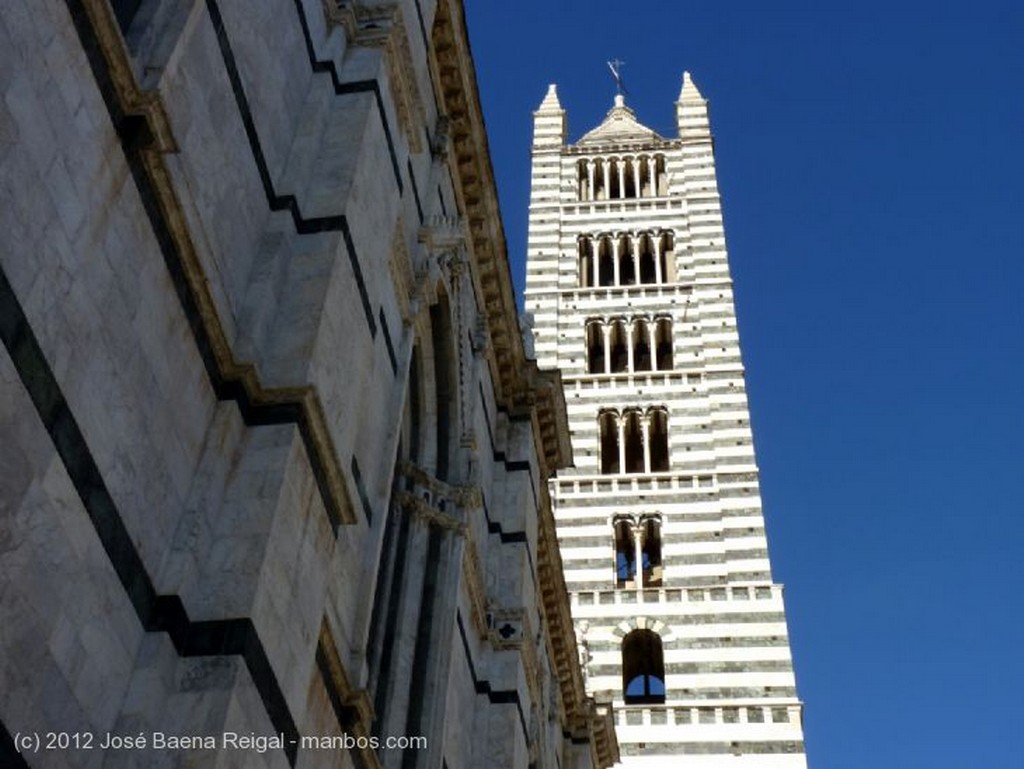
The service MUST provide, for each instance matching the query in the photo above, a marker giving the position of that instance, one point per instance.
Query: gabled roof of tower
(619, 126)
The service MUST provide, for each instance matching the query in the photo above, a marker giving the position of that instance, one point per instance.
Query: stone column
(607, 331)
(622, 177)
(652, 330)
(606, 176)
(635, 253)
(638, 530)
(645, 431)
(658, 277)
(629, 347)
(617, 278)
(621, 424)
(590, 179)
(636, 175)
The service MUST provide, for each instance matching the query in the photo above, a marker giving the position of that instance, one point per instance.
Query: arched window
(660, 180)
(658, 436)
(625, 552)
(627, 273)
(586, 266)
(646, 189)
(595, 347)
(651, 550)
(629, 187)
(643, 668)
(633, 437)
(648, 273)
(600, 170)
(608, 427)
(583, 187)
(444, 387)
(619, 347)
(641, 346)
(663, 344)
(605, 262)
(411, 424)
(614, 171)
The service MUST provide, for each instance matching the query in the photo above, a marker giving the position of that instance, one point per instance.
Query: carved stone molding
(383, 26)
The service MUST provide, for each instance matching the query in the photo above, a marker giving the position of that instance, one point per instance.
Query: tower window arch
(583, 183)
(605, 262)
(658, 437)
(614, 178)
(625, 551)
(619, 344)
(595, 347)
(629, 189)
(627, 269)
(663, 344)
(643, 668)
(634, 444)
(586, 262)
(650, 550)
(445, 410)
(608, 428)
(641, 345)
(648, 271)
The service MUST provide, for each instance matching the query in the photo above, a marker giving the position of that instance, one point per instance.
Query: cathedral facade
(273, 460)
(680, 624)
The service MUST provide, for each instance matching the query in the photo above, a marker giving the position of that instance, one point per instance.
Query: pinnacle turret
(549, 123)
(692, 111)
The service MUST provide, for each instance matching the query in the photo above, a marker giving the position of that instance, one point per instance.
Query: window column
(658, 277)
(634, 249)
(645, 430)
(607, 331)
(621, 425)
(638, 532)
(616, 280)
(630, 359)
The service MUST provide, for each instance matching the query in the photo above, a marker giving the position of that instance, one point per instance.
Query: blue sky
(871, 167)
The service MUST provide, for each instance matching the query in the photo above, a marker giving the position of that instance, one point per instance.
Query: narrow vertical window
(663, 344)
(634, 442)
(619, 351)
(641, 346)
(586, 262)
(658, 437)
(608, 427)
(595, 347)
(627, 269)
(651, 551)
(647, 259)
(606, 262)
(625, 552)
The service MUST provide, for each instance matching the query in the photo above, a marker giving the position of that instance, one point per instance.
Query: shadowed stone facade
(273, 460)
(679, 622)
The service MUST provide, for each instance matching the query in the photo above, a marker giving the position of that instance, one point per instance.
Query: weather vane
(615, 65)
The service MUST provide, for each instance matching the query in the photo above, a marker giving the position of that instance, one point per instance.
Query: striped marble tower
(660, 524)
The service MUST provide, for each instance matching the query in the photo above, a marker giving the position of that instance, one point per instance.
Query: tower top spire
(689, 90)
(692, 111)
(550, 102)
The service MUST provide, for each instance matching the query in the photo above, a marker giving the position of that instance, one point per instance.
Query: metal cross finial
(615, 65)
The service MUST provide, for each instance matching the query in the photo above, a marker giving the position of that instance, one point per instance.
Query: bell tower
(660, 525)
